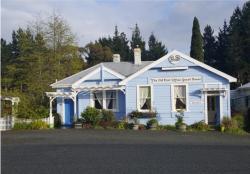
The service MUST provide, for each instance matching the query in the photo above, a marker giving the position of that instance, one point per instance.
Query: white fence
(7, 123)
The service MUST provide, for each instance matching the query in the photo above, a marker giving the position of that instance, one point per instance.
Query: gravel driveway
(123, 151)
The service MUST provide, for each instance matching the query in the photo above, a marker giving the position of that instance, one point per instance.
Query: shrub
(39, 124)
(142, 127)
(109, 127)
(57, 119)
(20, 126)
(91, 115)
(200, 126)
(79, 120)
(32, 111)
(96, 127)
(229, 123)
(138, 114)
(160, 127)
(240, 121)
(152, 121)
(236, 131)
(170, 127)
(120, 126)
(108, 115)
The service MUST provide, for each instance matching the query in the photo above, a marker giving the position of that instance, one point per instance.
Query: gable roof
(121, 70)
(246, 86)
(230, 78)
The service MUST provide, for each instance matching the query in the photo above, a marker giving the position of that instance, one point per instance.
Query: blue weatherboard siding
(161, 93)
(69, 111)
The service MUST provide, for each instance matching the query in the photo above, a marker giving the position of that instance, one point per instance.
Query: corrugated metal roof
(124, 68)
(72, 79)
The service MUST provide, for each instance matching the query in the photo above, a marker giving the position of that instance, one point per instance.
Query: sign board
(174, 59)
(188, 79)
(198, 102)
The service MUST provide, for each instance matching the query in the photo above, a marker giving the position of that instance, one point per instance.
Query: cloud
(171, 21)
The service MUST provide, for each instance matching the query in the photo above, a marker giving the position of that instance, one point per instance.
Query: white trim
(220, 98)
(230, 78)
(86, 77)
(113, 73)
(174, 68)
(63, 111)
(55, 84)
(173, 109)
(138, 98)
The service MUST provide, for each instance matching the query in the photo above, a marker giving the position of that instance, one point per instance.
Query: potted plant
(78, 123)
(135, 125)
(152, 124)
(108, 118)
(179, 124)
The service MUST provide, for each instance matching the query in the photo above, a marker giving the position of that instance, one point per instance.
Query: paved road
(123, 151)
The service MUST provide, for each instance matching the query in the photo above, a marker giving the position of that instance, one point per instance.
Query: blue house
(166, 85)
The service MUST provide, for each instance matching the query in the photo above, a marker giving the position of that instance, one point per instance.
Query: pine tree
(156, 49)
(196, 42)
(246, 40)
(209, 47)
(236, 60)
(137, 40)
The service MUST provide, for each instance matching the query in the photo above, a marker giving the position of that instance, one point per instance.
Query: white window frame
(138, 98)
(172, 97)
(92, 100)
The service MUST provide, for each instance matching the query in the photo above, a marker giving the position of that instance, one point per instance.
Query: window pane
(145, 104)
(110, 94)
(180, 103)
(98, 95)
(180, 92)
(98, 104)
(111, 104)
(144, 92)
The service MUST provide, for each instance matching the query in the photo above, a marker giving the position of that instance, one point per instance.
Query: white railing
(7, 122)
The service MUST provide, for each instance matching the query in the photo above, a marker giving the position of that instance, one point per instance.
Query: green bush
(236, 131)
(91, 115)
(109, 127)
(126, 125)
(170, 127)
(200, 126)
(229, 123)
(138, 114)
(57, 119)
(20, 126)
(96, 127)
(38, 124)
(160, 127)
(120, 126)
(240, 121)
(152, 121)
(108, 115)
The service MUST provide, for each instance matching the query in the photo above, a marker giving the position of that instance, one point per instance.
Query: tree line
(229, 51)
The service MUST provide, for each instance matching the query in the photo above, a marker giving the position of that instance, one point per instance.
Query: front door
(69, 111)
(211, 109)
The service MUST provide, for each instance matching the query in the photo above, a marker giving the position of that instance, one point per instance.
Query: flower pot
(181, 127)
(152, 126)
(78, 125)
(222, 128)
(134, 126)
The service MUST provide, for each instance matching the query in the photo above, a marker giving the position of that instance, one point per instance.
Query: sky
(170, 21)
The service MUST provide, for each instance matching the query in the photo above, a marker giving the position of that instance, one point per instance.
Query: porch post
(75, 94)
(51, 120)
